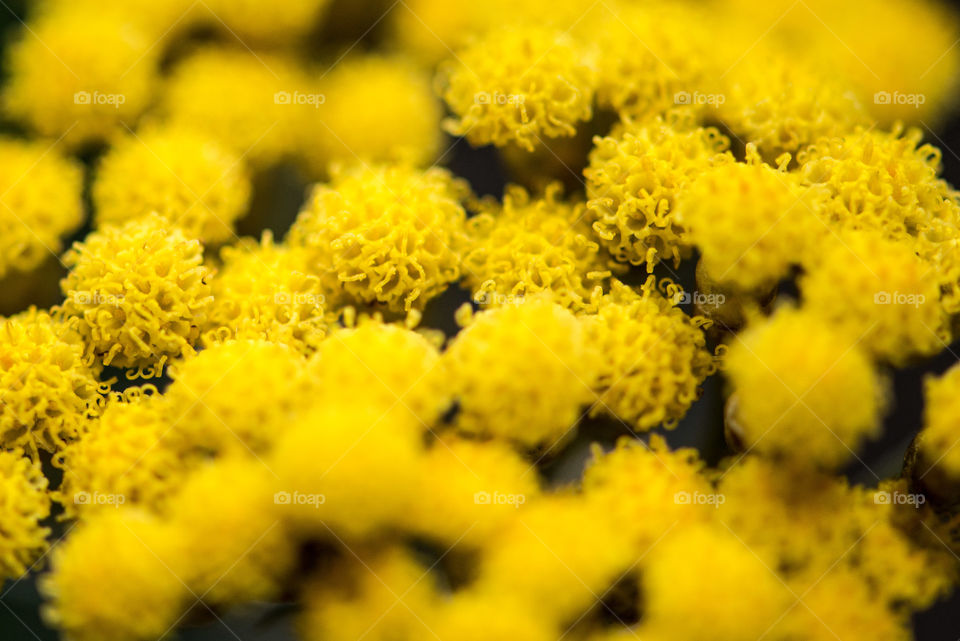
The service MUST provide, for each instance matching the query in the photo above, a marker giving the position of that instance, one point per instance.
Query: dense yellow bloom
(469, 616)
(702, 582)
(124, 457)
(379, 595)
(235, 396)
(881, 293)
(47, 391)
(781, 104)
(347, 469)
(940, 435)
(485, 485)
(521, 372)
(185, 177)
(137, 293)
(112, 579)
(647, 489)
(40, 203)
(80, 74)
(654, 356)
(518, 85)
(750, 223)
(384, 234)
(384, 366)
(634, 179)
(253, 22)
(232, 496)
(250, 103)
(802, 390)
(24, 503)
(264, 291)
(352, 124)
(528, 245)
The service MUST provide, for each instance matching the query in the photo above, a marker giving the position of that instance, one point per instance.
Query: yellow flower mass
(529, 320)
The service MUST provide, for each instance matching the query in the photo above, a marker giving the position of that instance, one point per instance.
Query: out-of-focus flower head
(24, 504)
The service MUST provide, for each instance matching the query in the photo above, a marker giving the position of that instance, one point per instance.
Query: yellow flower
(79, 75)
(634, 179)
(181, 175)
(385, 234)
(24, 503)
(258, 23)
(137, 293)
(264, 291)
(518, 85)
(123, 457)
(750, 223)
(521, 372)
(352, 123)
(879, 292)
(654, 356)
(528, 245)
(235, 396)
(468, 616)
(233, 547)
(47, 391)
(802, 390)
(939, 438)
(40, 203)
(112, 579)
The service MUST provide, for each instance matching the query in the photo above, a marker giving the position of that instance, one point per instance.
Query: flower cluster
(308, 350)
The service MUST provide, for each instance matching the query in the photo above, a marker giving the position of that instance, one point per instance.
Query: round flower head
(250, 103)
(358, 599)
(124, 457)
(528, 245)
(24, 503)
(347, 468)
(80, 74)
(263, 291)
(40, 203)
(654, 356)
(47, 392)
(232, 548)
(112, 579)
(234, 396)
(701, 582)
(352, 123)
(430, 29)
(881, 293)
(518, 85)
(521, 372)
(781, 105)
(647, 489)
(802, 390)
(386, 366)
(484, 485)
(651, 58)
(634, 179)
(750, 223)
(137, 293)
(384, 235)
(185, 177)
(259, 23)
(938, 444)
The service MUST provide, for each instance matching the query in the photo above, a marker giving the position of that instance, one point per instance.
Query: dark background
(701, 428)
